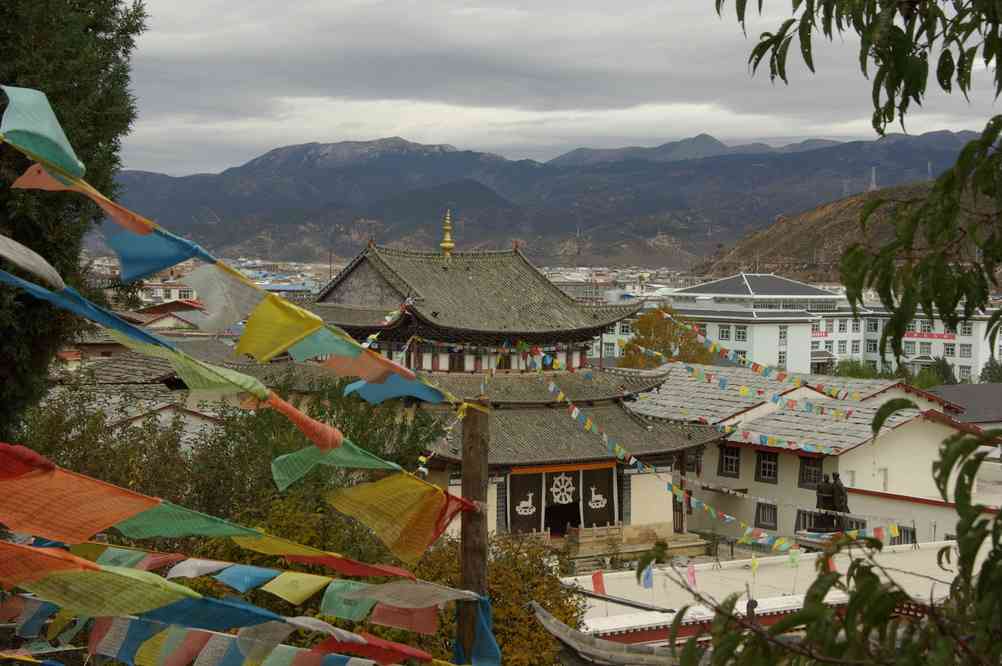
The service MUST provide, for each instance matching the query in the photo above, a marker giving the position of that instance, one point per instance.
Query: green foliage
(78, 53)
(656, 555)
(673, 340)
(992, 372)
(887, 409)
(947, 245)
(857, 369)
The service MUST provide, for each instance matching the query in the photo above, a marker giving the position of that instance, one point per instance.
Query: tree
(947, 245)
(78, 54)
(671, 337)
(857, 369)
(992, 372)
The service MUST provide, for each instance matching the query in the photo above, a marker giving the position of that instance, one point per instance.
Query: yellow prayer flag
(273, 545)
(893, 529)
(754, 565)
(61, 620)
(561, 396)
(149, 652)
(296, 587)
(274, 326)
(587, 424)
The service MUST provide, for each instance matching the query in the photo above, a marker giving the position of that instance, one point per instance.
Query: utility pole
(473, 524)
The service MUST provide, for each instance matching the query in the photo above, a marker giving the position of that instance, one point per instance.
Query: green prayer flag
(335, 605)
(121, 557)
(292, 467)
(170, 520)
(30, 125)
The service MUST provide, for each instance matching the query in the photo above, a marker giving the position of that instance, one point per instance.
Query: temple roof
(542, 435)
(585, 385)
(497, 292)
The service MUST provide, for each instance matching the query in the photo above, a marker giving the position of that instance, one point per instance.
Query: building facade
(805, 329)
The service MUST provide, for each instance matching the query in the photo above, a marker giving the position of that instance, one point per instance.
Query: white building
(888, 477)
(789, 324)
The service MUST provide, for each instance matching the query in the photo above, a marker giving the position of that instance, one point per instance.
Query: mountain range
(667, 205)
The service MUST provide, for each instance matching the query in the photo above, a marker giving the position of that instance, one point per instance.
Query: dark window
(854, 524)
(729, 461)
(767, 467)
(808, 520)
(766, 516)
(810, 472)
(105, 354)
(694, 463)
(905, 535)
(457, 361)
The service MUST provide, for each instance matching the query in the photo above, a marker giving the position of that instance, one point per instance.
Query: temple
(489, 324)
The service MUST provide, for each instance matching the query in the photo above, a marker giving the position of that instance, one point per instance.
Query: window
(810, 472)
(781, 360)
(855, 326)
(965, 373)
(905, 535)
(965, 351)
(729, 461)
(815, 345)
(609, 349)
(740, 333)
(807, 520)
(950, 349)
(611, 329)
(871, 346)
(504, 361)
(842, 345)
(184, 293)
(457, 361)
(767, 467)
(873, 326)
(766, 516)
(724, 332)
(966, 328)
(910, 328)
(829, 345)
(909, 348)
(625, 328)
(829, 325)
(782, 335)
(815, 327)
(925, 348)
(843, 325)
(925, 326)
(855, 346)
(741, 353)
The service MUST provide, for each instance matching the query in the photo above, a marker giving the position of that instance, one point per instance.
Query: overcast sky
(222, 81)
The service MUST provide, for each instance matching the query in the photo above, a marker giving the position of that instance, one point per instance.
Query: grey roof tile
(756, 284)
(982, 403)
(539, 434)
(480, 291)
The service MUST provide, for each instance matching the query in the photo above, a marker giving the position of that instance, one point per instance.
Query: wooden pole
(473, 531)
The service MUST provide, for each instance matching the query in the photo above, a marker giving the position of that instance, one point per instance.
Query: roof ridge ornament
(447, 243)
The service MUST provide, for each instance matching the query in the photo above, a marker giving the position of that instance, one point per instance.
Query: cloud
(220, 81)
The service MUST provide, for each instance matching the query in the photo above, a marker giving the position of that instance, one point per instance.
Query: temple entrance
(560, 517)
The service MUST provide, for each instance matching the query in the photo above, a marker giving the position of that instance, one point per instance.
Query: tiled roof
(755, 284)
(680, 398)
(129, 367)
(982, 403)
(541, 435)
(823, 429)
(120, 401)
(482, 291)
(348, 315)
(532, 387)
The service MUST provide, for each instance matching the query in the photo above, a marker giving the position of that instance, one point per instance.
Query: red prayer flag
(598, 582)
(421, 620)
(878, 533)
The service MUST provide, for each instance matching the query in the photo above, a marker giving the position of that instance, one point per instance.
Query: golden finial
(447, 244)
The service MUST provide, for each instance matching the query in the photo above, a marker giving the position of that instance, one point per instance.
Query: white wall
(492, 509)
(894, 393)
(650, 499)
(906, 453)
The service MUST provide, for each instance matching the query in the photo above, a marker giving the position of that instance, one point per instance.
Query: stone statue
(841, 499)
(825, 502)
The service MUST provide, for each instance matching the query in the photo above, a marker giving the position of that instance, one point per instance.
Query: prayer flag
(648, 577)
(598, 582)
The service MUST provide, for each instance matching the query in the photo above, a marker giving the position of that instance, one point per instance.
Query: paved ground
(777, 583)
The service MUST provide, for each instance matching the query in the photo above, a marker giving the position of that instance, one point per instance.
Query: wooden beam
(473, 530)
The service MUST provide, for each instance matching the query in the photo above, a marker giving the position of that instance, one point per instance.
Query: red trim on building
(909, 498)
(908, 388)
